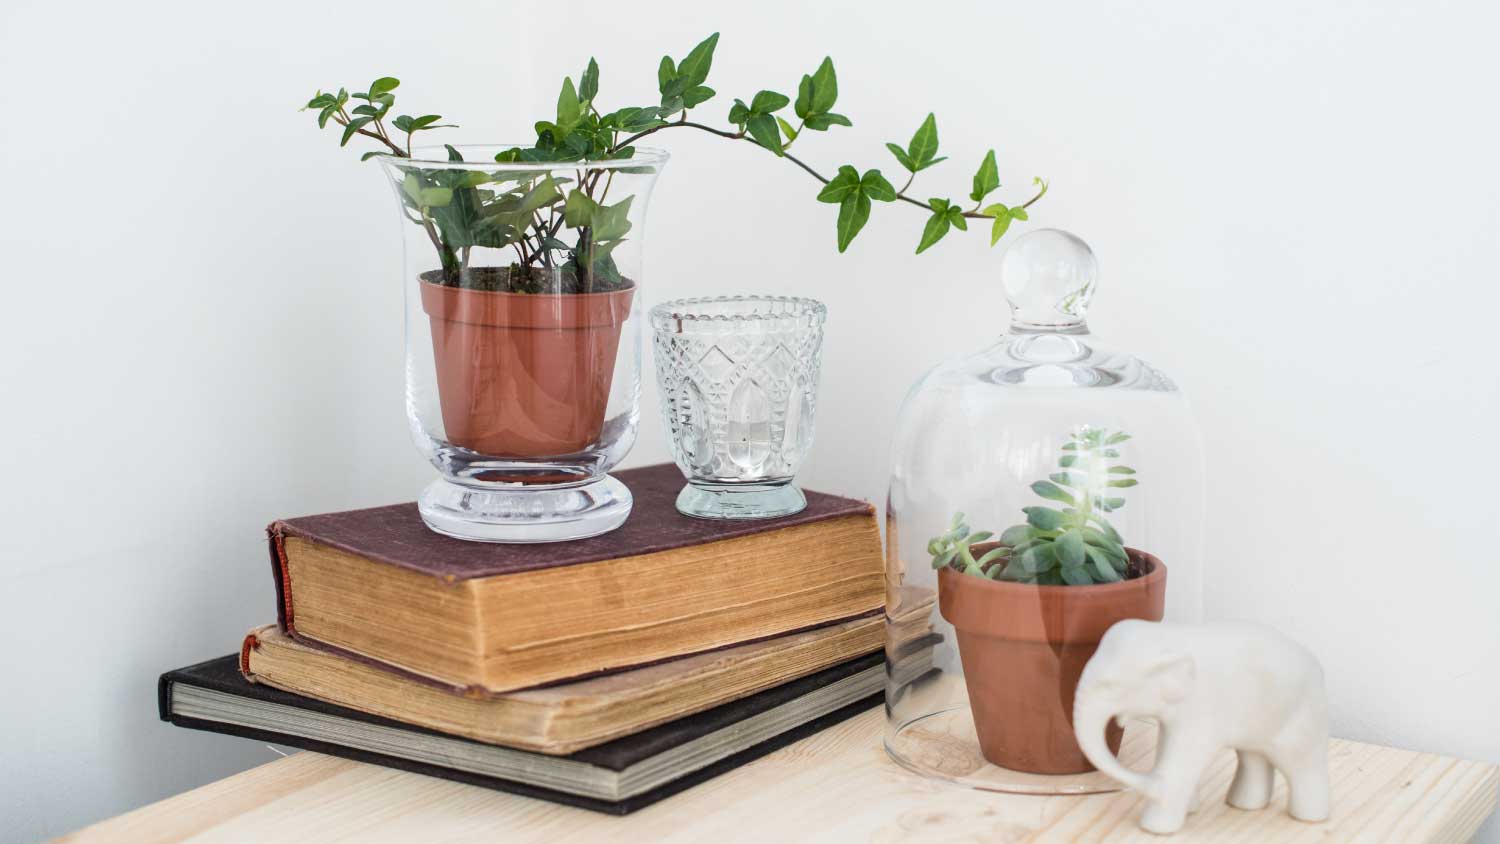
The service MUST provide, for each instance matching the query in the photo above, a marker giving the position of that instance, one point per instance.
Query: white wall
(1295, 206)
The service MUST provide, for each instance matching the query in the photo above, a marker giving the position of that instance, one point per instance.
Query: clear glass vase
(523, 293)
(1041, 490)
(738, 379)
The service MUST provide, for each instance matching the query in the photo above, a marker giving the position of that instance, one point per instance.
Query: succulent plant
(1072, 544)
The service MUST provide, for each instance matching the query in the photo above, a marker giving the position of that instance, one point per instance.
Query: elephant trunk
(1090, 717)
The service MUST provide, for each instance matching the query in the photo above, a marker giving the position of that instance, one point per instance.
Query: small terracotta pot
(1023, 648)
(524, 374)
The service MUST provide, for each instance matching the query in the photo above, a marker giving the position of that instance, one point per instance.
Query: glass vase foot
(740, 501)
(525, 514)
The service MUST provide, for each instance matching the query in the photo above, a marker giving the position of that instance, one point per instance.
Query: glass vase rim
(435, 157)
(678, 312)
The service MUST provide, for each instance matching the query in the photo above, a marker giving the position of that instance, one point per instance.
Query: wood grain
(835, 786)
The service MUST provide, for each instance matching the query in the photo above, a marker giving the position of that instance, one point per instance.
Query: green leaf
(803, 107)
(1124, 482)
(697, 95)
(786, 129)
(369, 155)
(1076, 575)
(588, 81)
(854, 211)
(1102, 565)
(1019, 213)
(924, 144)
(612, 222)
(992, 555)
(902, 157)
(987, 179)
(569, 109)
(821, 122)
(763, 128)
(427, 121)
(875, 186)
(579, 210)
(765, 102)
(1039, 558)
(842, 185)
(1015, 535)
(383, 85)
(937, 226)
(825, 88)
(367, 109)
(696, 64)
(1116, 439)
(1067, 460)
(542, 194)
(1067, 479)
(1070, 551)
(1043, 518)
(1052, 491)
(957, 218)
(739, 113)
(665, 73)
(323, 99)
(354, 126)
(1109, 505)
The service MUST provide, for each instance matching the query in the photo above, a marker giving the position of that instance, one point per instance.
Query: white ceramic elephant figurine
(1209, 687)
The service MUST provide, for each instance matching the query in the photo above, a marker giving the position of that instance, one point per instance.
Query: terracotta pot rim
(1157, 572)
(504, 294)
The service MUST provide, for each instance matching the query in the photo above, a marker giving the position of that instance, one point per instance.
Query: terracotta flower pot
(524, 374)
(1023, 648)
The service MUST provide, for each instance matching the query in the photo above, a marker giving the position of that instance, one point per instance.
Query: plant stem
(740, 136)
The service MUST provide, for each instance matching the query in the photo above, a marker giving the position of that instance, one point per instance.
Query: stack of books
(606, 673)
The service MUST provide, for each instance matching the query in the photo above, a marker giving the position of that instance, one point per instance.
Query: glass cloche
(1041, 490)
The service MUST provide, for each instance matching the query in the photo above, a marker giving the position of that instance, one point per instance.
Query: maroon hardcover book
(828, 578)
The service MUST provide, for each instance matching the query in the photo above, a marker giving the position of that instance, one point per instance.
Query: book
(562, 718)
(377, 584)
(617, 777)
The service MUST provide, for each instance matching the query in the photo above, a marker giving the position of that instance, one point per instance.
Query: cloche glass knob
(1049, 276)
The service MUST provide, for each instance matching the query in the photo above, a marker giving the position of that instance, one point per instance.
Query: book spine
(252, 642)
(276, 537)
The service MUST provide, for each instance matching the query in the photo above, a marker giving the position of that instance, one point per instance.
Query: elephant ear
(1174, 674)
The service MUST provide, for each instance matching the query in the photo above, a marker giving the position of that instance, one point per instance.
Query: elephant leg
(1179, 767)
(1307, 781)
(1253, 774)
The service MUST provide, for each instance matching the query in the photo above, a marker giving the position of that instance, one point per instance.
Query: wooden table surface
(835, 786)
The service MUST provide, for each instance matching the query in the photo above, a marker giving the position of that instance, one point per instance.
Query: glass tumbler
(738, 378)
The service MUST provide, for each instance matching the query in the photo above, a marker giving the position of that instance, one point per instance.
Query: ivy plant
(563, 230)
(1071, 544)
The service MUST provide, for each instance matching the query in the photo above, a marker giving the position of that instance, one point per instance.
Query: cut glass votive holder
(738, 377)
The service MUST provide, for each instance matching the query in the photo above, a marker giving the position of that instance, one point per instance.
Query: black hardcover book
(618, 777)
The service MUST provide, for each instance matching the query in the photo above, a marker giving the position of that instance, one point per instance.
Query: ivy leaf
(821, 122)
(997, 231)
(763, 128)
(802, 108)
(455, 155)
(765, 102)
(987, 179)
(1019, 214)
(666, 72)
(542, 194)
(695, 66)
(696, 95)
(924, 144)
(786, 129)
(354, 126)
(588, 81)
(875, 186)
(841, 186)
(901, 156)
(739, 113)
(569, 109)
(383, 85)
(956, 217)
(579, 210)
(328, 111)
(937, 226)
(369, 155)
(611, 222)
(854, 211)
(825, 88)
